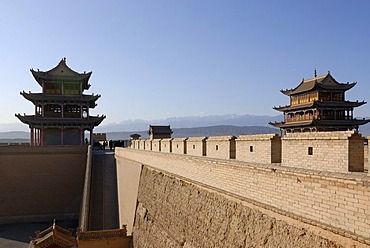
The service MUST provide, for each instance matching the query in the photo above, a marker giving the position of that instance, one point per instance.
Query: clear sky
(158, 59)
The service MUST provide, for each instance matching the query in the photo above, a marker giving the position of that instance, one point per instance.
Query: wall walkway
(339, 203)
(103, 201)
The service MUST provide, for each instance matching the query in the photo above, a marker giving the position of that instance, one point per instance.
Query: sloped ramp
(103, 201)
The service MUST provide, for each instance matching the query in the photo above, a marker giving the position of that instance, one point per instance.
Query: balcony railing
(310, 118)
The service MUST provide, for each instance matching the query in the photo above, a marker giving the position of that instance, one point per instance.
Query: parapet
(341, 151)
(166, 145)
(221, 138)
(343, 135)
(221, 147)
(196, 146)
(338, 151)
(259, 148)
(258, 137)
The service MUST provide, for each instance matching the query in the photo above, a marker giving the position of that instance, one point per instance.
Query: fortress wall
(135, 144)
(179, 145)
(196, 146)
(166, 145)
(333, 201)
(331, 151)
(341, 151)
(260, 148)
(175, 212)
(85, 210)
(128, 176)
(141, 144)
(366, 156)
(148, 144)
(47, 182)
(156, 145)
(221, 147)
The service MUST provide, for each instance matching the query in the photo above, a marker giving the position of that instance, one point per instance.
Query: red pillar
(32, 136)
(91, 135)
(62, 136)
(42, 136)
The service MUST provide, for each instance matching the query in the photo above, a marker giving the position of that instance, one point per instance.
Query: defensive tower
(319, 104)
(61, 110)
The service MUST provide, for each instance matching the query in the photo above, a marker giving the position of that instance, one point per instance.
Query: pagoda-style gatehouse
(61, 110)
(318, 104)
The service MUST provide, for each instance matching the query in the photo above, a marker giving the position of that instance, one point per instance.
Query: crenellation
(166, 145)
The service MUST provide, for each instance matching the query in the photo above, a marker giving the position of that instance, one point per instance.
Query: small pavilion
(159, 132)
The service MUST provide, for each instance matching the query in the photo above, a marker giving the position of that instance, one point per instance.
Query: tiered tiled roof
(324, 82)
(60, 72)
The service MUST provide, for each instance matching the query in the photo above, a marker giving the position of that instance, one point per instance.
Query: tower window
(251, 148)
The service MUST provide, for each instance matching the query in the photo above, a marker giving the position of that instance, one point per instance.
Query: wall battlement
(341, 151)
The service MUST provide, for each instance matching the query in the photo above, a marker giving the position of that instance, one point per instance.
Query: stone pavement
(103, 202)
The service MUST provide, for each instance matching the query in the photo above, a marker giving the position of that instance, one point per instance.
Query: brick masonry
(166, 145)
(221, 147)
(330, 151)
(196, 146)
(342, 151)
(174, 212)
(261, 148)
(156, 144)
(339, 202)
(179, 146)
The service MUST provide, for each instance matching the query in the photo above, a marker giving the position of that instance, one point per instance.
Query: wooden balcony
(311, 117)
(299, 118)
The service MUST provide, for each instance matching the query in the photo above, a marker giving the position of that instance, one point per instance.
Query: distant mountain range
(191, 126)
(191, 121)
(200, 132)
(19, 136)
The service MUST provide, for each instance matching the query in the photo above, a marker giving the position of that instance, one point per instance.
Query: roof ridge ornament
(315, 73)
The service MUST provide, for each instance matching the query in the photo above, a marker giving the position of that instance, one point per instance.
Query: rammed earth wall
(183, 201)
(41, 183)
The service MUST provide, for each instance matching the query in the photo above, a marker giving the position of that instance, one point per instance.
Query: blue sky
(158, 59)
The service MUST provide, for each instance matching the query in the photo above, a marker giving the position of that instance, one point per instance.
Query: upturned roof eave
(32, 119)
(339, 104)
(45, 75)
(316, 82)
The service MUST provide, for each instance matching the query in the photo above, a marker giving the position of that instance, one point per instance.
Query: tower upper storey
(62, 80)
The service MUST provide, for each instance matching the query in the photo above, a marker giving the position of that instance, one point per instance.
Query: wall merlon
(340, 151)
